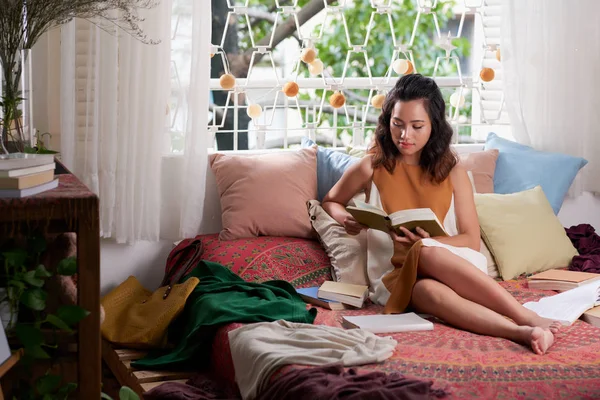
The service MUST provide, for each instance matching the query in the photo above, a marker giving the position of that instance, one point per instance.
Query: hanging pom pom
(402, 66)
(487, 74)
(290, 89)
(315, 67)
(377, 100)
(308, 55)
(227, 81)
(337, 100)
(457, 100)
(254, 110)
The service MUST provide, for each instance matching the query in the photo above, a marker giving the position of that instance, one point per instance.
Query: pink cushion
(482, 164)
(301, 262)
(266, 195)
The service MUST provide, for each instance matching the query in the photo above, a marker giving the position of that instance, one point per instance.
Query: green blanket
(220, 298)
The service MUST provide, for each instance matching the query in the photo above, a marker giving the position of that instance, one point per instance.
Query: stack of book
(23, 175)
(560, 279)
(335, 295)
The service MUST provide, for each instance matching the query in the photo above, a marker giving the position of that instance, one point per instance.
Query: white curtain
(114, 127)
(551, 70)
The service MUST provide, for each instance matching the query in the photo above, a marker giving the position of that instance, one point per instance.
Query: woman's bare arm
(356, 178)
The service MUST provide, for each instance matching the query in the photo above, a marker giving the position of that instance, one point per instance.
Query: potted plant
(22, 23)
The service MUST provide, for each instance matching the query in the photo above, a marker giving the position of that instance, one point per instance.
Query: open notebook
(567, 306)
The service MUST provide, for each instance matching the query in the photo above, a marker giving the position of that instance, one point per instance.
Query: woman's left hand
(409, 238)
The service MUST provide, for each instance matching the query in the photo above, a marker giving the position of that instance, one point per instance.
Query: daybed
(463, 364)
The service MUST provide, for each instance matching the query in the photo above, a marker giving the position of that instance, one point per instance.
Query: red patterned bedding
(464, 364)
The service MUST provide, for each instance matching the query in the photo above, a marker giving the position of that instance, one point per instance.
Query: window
(363, 45)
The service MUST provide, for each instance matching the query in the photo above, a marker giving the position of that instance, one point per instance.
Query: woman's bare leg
(469, 282)
(433, 297)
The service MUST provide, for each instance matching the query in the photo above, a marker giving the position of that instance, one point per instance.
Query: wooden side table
(71, 207)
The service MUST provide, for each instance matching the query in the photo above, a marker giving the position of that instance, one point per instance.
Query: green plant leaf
(15, 258)
(34, 299)
(127, 394)
(47, 384)
(105, 396)
(16, 284)
(57, 322)
(29, 335)
(67, 389)
(30, 278)
(36, 352)
(71, 314)
(67, 266)
(42, 272)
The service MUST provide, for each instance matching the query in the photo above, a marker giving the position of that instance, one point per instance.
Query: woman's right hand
(352, 226)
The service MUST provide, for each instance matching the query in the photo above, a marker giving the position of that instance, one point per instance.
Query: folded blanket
(220, 298)
(587, 243)
(260, 349)
(333, 382)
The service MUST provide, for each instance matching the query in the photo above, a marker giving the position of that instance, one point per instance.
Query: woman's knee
(430, 257)
(427, 291)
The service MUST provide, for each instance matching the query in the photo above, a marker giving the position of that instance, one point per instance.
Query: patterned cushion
(301, 262)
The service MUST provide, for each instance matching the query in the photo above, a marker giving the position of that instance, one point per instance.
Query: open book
(568, 306)
(376, 218)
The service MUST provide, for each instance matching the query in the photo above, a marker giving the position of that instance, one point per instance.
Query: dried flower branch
(23, 22)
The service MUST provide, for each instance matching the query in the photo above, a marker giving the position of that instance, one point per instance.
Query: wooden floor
(119, 362)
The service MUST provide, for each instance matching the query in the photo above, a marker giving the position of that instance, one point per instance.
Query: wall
(146, 260)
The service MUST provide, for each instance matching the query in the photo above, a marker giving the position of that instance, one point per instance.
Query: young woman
(411, 165)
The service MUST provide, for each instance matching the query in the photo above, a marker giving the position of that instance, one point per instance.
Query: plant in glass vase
(22, 23)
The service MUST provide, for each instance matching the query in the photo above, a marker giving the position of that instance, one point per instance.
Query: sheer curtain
(550, 63)
(114, 96)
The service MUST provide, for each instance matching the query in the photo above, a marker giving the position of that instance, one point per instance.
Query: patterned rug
(471, 366)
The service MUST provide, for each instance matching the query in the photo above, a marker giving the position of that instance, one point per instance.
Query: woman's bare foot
(539, 339)
(545, 323)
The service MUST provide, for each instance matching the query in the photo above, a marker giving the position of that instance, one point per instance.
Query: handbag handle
(195, 246)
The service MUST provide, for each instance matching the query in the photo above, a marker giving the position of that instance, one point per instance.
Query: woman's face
(410, 128)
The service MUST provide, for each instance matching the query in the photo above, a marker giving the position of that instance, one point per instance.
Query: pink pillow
(482, 165)
(266, 195)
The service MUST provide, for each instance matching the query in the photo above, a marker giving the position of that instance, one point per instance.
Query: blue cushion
(521, 167)
(330, 167)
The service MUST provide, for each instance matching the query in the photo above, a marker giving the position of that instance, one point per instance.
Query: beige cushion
(347, 253)
(266, 195)
(522, 232)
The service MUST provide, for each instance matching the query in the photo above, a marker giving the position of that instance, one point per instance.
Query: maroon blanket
(587, 243)
(331, 382)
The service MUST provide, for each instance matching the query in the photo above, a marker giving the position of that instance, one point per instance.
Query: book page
(569, 305)
(368, 207)
(400, 217)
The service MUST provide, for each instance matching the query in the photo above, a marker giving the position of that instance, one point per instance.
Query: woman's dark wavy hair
(437, 158)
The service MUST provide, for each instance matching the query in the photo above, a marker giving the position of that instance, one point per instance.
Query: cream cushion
(522, 232)
(347, 253)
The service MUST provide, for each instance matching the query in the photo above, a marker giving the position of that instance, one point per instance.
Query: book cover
(24, 160)
(561, 280)
(27, 181)
(346, 293)
(310, 296)
(376, 218)
(14, 173)
(388, 323)
(19, 193)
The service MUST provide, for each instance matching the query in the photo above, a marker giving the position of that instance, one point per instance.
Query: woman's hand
(409, 238)
(352, 226)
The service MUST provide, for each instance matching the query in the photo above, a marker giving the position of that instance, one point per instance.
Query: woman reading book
(411, 165)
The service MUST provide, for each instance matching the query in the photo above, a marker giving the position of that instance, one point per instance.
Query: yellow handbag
(139, 318)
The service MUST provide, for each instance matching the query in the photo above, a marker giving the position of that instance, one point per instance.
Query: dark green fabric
(220, 298)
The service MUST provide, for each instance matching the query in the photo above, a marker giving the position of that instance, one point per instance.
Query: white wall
(146, 260)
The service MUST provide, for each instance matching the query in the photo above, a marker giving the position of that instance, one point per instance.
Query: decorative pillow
(521, 167)
(266, 195)
(301, 262)
(331, 165)
(482, 165)
(356, 151)
(522, 232)
(347, 253)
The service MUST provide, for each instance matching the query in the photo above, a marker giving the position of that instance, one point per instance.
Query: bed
(463, 364)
